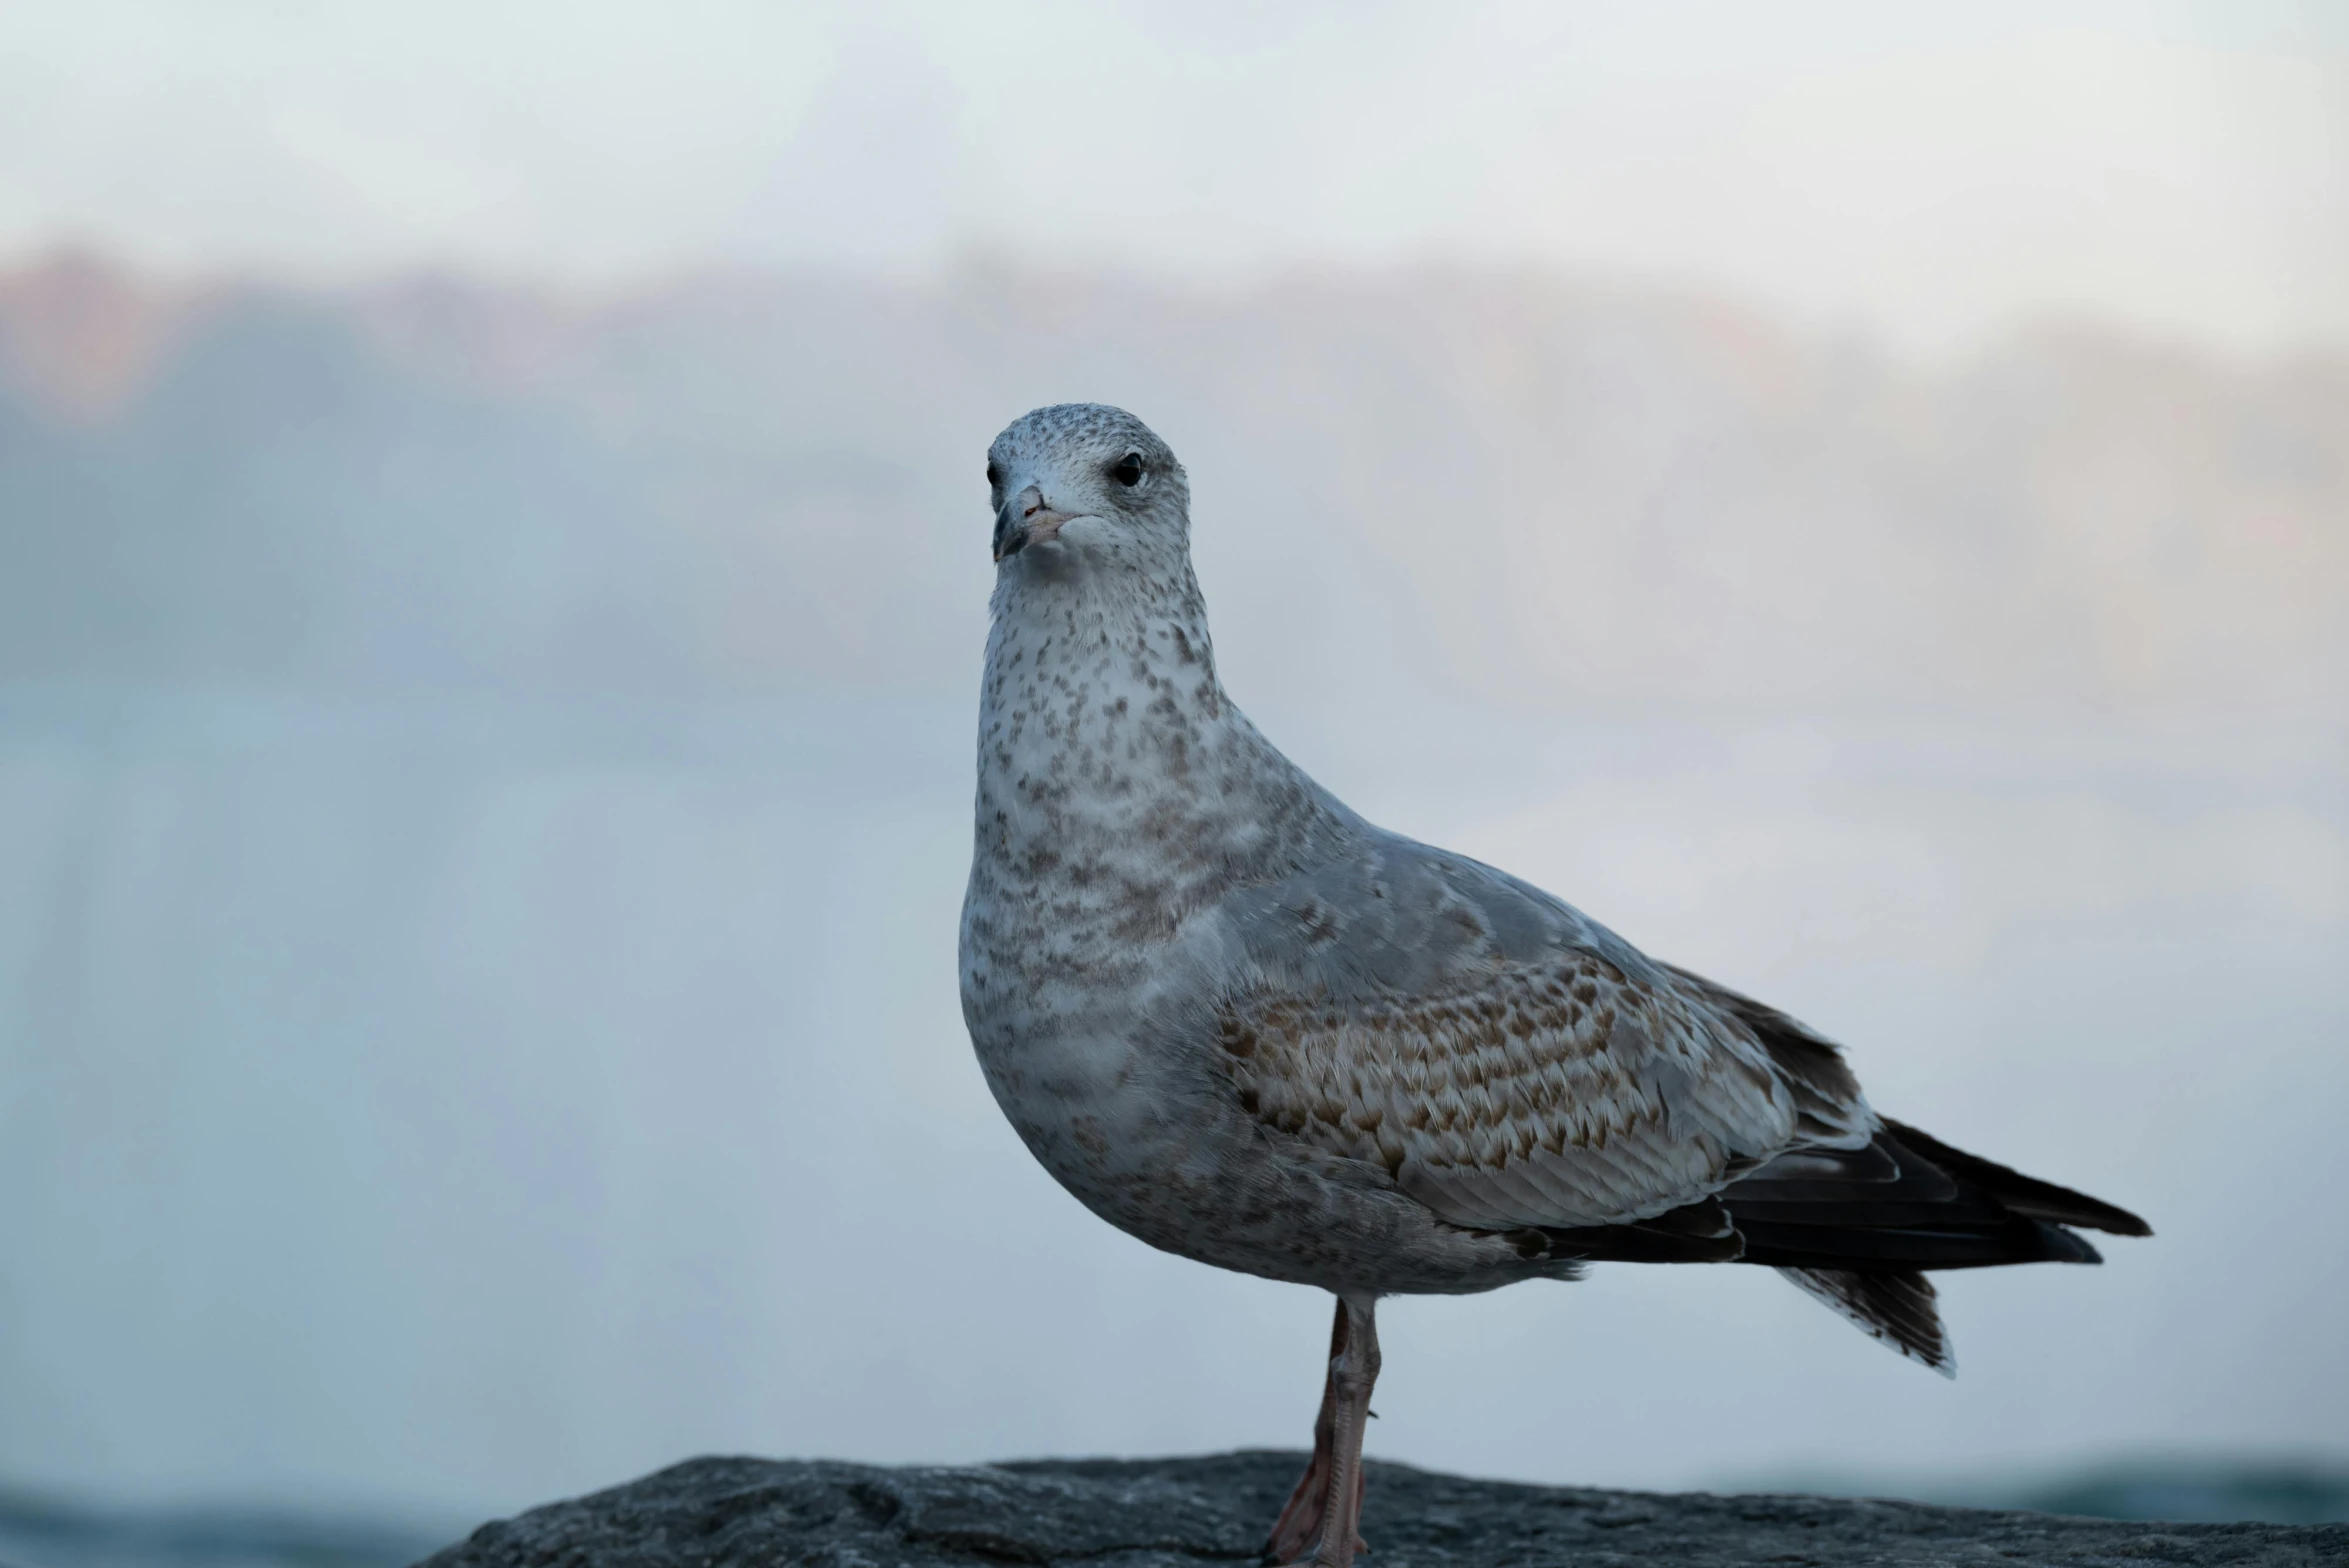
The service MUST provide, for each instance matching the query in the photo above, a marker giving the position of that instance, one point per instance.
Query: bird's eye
(994, 477)
(1128, 471)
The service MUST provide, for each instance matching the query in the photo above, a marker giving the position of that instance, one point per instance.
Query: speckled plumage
(1244, 1024)
(1247, 1026)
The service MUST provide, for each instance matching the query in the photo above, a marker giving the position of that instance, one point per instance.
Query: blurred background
(493, 564)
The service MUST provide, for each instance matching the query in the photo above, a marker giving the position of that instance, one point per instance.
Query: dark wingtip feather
(2026, 1195)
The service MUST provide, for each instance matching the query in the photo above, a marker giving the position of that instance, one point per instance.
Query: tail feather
(1857, 1228)
(2012, 1239)
(1907, 1201)
(1896, 1309)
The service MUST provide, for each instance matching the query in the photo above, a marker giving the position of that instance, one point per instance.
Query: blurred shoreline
(1640, 501)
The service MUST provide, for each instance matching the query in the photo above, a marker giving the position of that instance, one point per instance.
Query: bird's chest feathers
(1108, 770)
(1120, 796)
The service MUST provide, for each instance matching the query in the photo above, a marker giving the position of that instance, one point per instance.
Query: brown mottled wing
(1508, 1061)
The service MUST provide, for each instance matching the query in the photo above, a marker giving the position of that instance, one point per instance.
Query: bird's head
(1086, 482)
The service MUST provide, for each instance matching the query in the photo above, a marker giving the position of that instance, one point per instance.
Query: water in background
(2179, 1490)
(41, 1532)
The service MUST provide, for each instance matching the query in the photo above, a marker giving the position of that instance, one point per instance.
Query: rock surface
(1168, 1513)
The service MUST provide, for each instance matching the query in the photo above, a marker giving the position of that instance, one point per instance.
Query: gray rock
(1166, 1513)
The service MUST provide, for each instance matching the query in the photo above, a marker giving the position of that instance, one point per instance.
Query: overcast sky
(1926, 172)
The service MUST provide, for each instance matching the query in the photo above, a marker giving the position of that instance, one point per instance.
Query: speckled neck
(1118, 785)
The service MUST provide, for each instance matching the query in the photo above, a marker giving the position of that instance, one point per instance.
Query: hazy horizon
(1694, 505)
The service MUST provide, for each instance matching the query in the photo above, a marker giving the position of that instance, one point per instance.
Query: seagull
(1240, 1022)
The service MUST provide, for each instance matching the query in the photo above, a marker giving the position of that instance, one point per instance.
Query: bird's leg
(1353, 1372)
(1299, 1526)
(1323, 1514)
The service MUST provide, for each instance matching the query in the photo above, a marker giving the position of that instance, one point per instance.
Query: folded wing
(1520, 1069)
(1512, 1064)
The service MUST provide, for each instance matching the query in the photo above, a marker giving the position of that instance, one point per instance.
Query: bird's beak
(1025, 520)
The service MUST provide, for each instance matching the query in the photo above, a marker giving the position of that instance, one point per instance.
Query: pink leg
(1320, 1524)
(1299, 1526)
